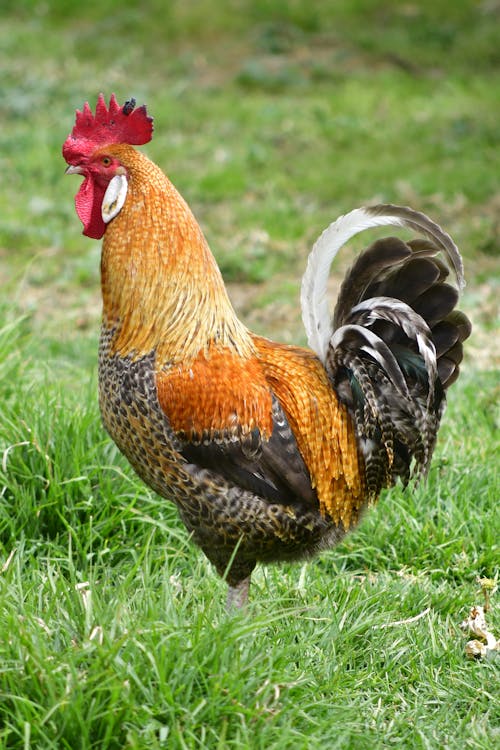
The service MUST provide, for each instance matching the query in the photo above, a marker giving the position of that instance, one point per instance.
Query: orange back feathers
(218, 393)
(321, 425)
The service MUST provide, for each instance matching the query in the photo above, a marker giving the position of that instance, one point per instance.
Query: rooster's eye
(106, 161)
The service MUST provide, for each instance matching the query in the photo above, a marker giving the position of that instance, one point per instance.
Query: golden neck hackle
(161, 287)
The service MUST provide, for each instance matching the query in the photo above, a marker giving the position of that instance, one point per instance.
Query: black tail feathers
(396, 348)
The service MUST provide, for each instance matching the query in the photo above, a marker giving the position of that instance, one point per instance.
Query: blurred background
(272, 117)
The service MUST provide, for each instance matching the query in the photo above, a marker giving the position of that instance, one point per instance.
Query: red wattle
(88, 202)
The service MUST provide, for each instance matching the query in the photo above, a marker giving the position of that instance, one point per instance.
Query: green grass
(272, 118)
(113, 626)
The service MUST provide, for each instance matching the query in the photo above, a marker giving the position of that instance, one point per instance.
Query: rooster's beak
(73, 170)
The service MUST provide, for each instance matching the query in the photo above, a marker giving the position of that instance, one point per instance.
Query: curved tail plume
(394, 341)
(315, 312)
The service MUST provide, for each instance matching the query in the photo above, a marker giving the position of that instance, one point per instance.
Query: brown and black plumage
(270, 452)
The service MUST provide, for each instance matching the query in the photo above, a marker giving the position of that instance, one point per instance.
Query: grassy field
(272, 118)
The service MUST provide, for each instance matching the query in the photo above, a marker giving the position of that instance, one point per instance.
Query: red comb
(114, 125)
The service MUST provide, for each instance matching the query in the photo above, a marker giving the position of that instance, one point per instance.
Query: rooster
(270, 452)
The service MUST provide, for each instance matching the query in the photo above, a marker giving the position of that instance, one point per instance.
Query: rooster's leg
(237, 596)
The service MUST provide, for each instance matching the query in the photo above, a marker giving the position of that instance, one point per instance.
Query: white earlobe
(114, 197)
